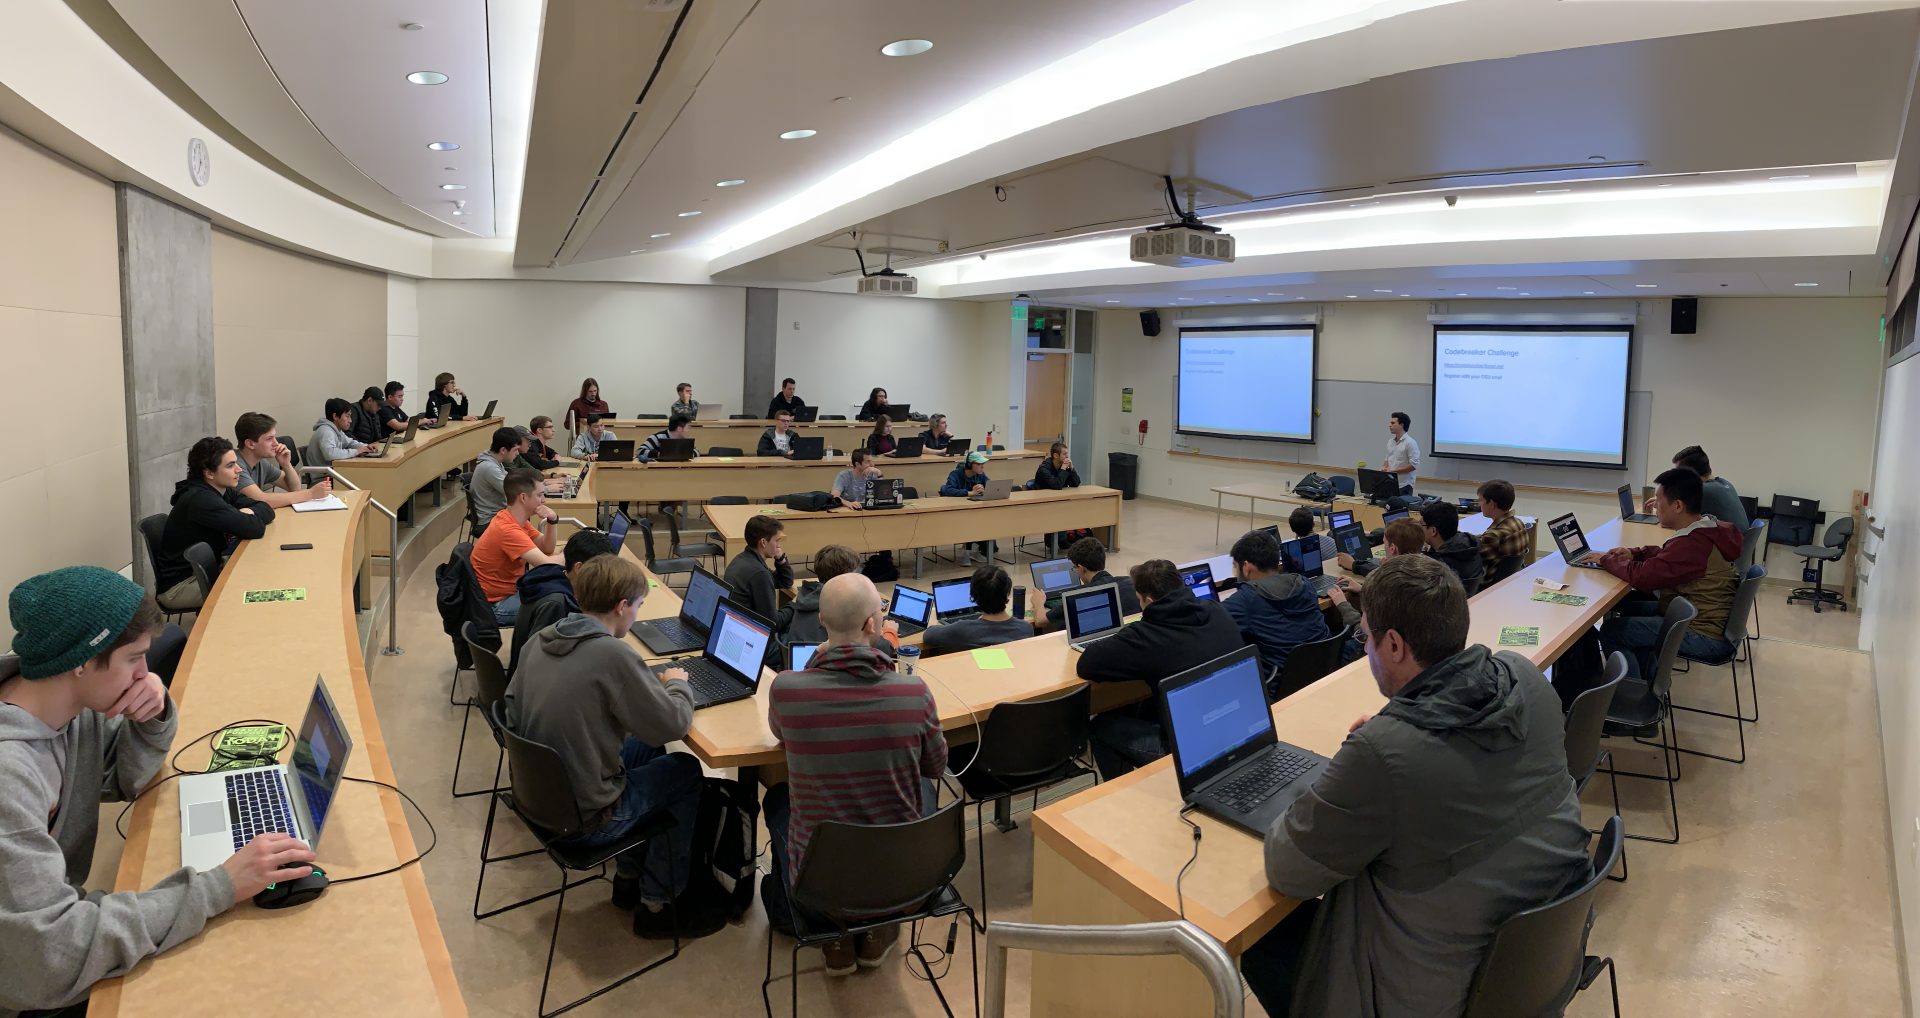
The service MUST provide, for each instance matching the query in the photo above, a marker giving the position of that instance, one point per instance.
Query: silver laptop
(222, 811)
(1093, 614)
(710, 412)
(1631, 513)
(993, 491)
(1573, 543)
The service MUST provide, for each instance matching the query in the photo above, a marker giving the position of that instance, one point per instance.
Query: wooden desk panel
(745, 435)
(405, 469)
(382, 931)
(927, 522)
(1116, 850)
(773, 476)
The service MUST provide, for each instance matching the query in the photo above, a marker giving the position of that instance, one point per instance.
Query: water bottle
(908, 659)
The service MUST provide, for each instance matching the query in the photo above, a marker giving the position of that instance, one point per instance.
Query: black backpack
(721, 877)
(811, 501)
(1315, 487)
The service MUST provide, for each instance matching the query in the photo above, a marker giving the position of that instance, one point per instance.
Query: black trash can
(1123, 472)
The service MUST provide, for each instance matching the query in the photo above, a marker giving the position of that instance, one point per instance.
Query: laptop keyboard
(257, 803)
(1255, 785)
(673, 630)
(1322, 584)
(709, 679)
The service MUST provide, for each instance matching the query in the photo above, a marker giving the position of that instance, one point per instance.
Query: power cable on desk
(921, 671)
(1179, 896)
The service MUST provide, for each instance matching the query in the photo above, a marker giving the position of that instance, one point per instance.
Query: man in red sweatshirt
(1696, 563)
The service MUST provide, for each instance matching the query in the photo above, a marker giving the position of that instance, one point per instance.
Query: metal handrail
(392, 649)
(330, 472)
(1173, 937)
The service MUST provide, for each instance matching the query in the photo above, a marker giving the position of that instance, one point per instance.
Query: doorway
(1048, 378)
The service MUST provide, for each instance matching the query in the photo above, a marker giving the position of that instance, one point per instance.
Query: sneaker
(651, 922)
(626, 892)
(840, 957)
(966, 558)
(872, 947)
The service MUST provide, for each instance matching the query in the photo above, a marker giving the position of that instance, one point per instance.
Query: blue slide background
(1246, 384)
(1531, 394)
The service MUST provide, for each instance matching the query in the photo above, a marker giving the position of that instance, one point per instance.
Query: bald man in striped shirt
(862, 742)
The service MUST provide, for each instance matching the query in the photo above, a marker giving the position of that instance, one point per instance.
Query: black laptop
(1573, 543)
(1336, 520)
(729, 668)
(908, 448)
(616, 450)
(900, 412)
(958, 446)
(487, 414)
(806, 415)
(675, 450)
(805, 448)
(1352, 539)
(1629, 512)
(911, 608)
(1199, 581)
(953, 599)
(687, 631)
(1052, 575)
(1227, 756)
(1303, 557)
(884, 494)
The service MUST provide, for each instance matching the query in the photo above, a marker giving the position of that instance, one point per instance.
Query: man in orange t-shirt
(511, 544)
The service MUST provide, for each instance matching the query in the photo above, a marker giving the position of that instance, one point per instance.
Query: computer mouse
(288, 893)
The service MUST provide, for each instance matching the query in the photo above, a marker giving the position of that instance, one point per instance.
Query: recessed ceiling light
(1353, 296)
(728, 183)
(1526, 294)
(1383, 291)
(443, 146)
(1553, 190)
(797, 135)
(1668, 184)
(691, 212)
(1362, 204)
(453, 187)
(1587, 292)
(1646, 286)
(657, 236)
(1404, 295)
(459, 212)
(1254, 300)
(636, 250)
(427, 78)
(906, 47)
(1459, 295)
(1791, 176)
(1299, 298)
(1806, 284)
(1113, 302)
(1506, 288)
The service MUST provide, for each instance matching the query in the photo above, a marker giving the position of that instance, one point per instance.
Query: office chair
(490, 687)
(1586, 719)
(152, 530)
(206, 567)
(1816, 556)
(1307, 664)
(1735, 633)
(1645, 706)
(1792, 521)
(725, 450)
(1750, 551)
(1537, 961)
(661, 567)
(291, 448)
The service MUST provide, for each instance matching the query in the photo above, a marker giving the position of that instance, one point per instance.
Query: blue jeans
(1125, 739)
(656, 779)
(506, 611)
(1634, 628)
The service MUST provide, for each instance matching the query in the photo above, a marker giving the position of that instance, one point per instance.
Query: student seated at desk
(490, 469)
(850, 485)
(683, 402)
(1439, 817)
(1506, 537)
(540, 454)
(207, 509)
(523, 460)
(1176, 631)
(1445, 542)
(785, 400)
(1718, 498)
(1695, 563)
(333, 436)
(1402, 537)
(583, 691)
(1275, 610)
(936, 436)
(799, 620)
(757, 573)
(1088, 558)
(969, 478)
(1301, 522)
(266, 462)
(863, 744)
(546, 592)
(83, 722)
(586, 445)
(677, 427)
(511, 544)
(875, 406)
(1055, 473)
(392, 417)
(991, 588)
(587, 405)
(778, 440)
(447, 403)
(880, 440)
(366, 426)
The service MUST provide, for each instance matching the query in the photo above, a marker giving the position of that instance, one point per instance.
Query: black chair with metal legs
(489, 688)
(1022, 748)
(152, 530)
(206, 567)
(1537, 961)
(541, 795)
(704, 549)
(900, 872)
(1585, 719)
(665, 568)
(1750, 552)
(1735, 633)
(1643, 707)
(1307, 664)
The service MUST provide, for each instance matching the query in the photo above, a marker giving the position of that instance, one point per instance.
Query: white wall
(403, 333)
(1780, 391)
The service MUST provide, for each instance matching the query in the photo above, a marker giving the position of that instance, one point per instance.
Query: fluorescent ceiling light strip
(1122, 65)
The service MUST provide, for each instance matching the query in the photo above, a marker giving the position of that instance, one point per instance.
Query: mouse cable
(921, 672)
(1180, 896)
(432, 835)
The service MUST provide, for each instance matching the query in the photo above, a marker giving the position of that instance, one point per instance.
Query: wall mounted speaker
(1150, 322)
(1686, 316)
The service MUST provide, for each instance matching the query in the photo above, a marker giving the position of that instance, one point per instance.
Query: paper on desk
(1477, 524)
(320, 505)
(992, 659)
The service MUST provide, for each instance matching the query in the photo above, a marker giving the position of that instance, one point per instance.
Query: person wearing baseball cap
(366, 417)
(969, 478)
(82, 721)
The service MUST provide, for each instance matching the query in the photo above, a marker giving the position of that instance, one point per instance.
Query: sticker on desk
(772, 512)
(1519, 636)
(992, 659)
(1550, 597)
(279, 594)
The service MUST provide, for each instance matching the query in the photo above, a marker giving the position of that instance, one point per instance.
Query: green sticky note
(280, 594)
(1519, 636)
(653, 583)
(992, 659)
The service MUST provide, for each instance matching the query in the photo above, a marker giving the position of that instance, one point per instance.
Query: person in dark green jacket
(969, 478)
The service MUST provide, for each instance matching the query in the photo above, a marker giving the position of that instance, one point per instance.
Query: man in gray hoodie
(83, 722)
(332, 435)
(1440, 817)
(583, 691)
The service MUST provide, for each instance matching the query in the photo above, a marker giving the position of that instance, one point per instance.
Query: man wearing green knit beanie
(82, 722)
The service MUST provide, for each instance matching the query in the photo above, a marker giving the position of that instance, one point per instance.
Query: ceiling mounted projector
(886, 282)
(1182, 244)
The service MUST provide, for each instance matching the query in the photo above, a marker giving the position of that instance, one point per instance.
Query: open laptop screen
(1199, 580)
(1626, 501)
(1352, 540)
(953, 596)
(1566, 534)
(703, 596)
(1395, 516)
(1092, 610)
(1053, 574)
(802, 653)
(1303, 555)
(738, 641)
(319, 757)
(910, 604)
(617, 531)
(1218, 713)
(1337, 520)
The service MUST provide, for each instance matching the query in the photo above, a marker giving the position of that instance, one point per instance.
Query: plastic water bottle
(908, 660)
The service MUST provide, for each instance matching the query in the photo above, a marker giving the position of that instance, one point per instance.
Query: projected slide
(1553, 394)
(1246, 382)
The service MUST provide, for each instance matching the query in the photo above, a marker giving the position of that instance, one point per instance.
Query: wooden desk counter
(405, 469)
(927, 522)
(773, 476)
(745, 435)
(1111, 854)
(369, 947)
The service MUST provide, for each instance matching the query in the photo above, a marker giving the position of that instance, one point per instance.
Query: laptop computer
(1573, 543)
(911, 609)
(1271, 531)
(884, 493)
(488, 412)
(799, 654)
(1378, 484)
(908, 448)
(1303, 557)
(1199, 581)
(617, 530)
(688, 630)
(804, 448)
(1630, 512)
(728, 669)
(1221, 569)
(900, 412)
(710, 412)
(675, 450)
(413, 428)
(1397, 514)
(1228, 758)
(806, 415)
(220, 812)
(1053, 574)
(1340, 519)
(1093, 614)
(958, 446)
(993, 491)
(1352, 539)
(617, 450)
(953, 599)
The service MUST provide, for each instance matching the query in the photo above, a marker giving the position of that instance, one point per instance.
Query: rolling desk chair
(1792, 523)
(1830, 549)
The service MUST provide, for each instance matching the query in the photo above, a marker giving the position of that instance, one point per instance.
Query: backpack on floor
(723, 856)
(880, 568)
